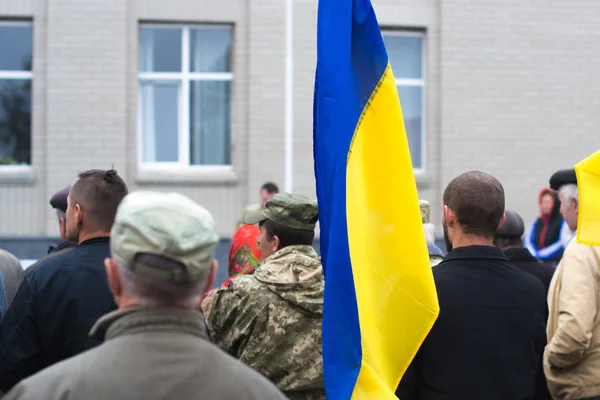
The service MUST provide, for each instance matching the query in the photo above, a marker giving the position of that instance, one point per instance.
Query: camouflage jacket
(272, 321)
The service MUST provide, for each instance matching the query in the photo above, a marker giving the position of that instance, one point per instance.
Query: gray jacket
(160, 353)
(12, 272)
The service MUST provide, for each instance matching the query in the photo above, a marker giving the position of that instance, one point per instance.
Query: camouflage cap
(425, 211)
(168, 225)
(289, 210)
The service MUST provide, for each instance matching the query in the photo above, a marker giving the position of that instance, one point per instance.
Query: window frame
(20, 75)
(183, 79)
(411, 82)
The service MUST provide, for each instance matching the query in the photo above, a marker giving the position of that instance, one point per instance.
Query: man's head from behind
(266, 192)
(473, 209)
(510, 234)
(92, 203)
(286, 220)
(162, 248)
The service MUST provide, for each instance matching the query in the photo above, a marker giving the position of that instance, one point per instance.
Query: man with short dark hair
(155, 346)
(267, 191)
(57, 304)
(490, 332)
(272, 320)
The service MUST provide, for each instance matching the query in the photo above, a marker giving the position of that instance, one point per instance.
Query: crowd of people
(122, 307)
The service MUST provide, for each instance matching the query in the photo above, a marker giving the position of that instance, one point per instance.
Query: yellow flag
(588, 182)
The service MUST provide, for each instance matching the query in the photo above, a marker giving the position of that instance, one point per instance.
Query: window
(185, 95)
(16, 46)
(405, 53)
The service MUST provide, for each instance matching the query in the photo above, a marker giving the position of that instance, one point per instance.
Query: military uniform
(154, 352)
(272, 320)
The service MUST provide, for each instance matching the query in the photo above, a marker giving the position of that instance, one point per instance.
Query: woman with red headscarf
(244, 258)
(244, 255)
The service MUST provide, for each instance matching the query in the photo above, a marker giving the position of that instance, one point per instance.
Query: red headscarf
(244, 255)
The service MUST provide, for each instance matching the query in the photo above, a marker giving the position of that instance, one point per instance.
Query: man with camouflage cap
(272, 320)
(155, 345)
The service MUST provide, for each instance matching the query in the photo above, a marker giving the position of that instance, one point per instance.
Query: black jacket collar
(476, 252)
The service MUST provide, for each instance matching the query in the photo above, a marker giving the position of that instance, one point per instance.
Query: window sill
(16, 174)
(165, 175)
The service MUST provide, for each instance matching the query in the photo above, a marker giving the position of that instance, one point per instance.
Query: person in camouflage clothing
(272, 320)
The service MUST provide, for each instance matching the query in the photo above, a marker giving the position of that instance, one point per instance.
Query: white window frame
(19, 75)
(183, 79)
(416, 83)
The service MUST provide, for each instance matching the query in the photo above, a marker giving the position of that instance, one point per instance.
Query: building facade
(189, 96)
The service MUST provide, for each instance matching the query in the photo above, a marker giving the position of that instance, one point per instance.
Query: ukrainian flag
(588, 182)
(380, 298)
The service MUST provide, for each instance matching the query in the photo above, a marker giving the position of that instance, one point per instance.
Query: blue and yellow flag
(380, 298)
(588, 182)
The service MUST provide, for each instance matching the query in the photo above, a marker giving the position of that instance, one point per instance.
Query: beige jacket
(572, 356)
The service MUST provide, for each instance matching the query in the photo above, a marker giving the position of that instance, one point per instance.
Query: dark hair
(287, 236)
(99, 193)
(270, 187)
(506, 242)
(477, 199)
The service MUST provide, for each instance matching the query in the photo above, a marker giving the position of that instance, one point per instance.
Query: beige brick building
(188, 95)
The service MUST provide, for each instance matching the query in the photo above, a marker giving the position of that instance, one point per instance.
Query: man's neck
(83, 236)
(463, 240)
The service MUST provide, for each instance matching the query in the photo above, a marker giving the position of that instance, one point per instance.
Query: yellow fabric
(588, 181)
(395, 291)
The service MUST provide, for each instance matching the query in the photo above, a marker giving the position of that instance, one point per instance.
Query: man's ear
(212, 273)
(78, 214)
(276, 243)
(114, 279)
(450, 216)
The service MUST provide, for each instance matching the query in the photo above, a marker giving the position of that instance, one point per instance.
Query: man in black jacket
(490, 334)
(56, 306)
(509, 239)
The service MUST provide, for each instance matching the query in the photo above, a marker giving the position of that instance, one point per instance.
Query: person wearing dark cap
(281, 304)
(509, 239)
(57, 304)
(59, 203)
(572, 356)
(155, 345)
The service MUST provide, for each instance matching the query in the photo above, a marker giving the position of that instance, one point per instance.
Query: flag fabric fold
(588, 182)
(380, 298)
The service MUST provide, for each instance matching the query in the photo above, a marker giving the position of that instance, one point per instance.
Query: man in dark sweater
(56, 306)
(490, 334)
(509, 239)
